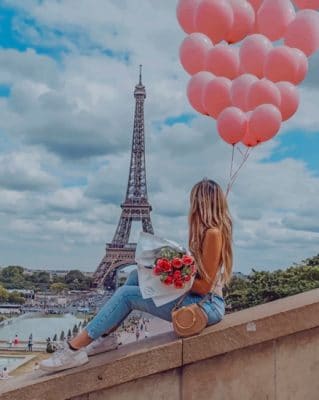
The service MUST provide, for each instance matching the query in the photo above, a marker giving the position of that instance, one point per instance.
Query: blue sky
(299, 145)
(67, 75)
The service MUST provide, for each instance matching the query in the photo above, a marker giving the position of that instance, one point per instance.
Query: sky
(67, 74)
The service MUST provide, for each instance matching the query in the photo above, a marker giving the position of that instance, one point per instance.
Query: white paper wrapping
(147, 251)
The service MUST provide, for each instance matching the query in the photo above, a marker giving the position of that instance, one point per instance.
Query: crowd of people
(137, 325)
(16, 341)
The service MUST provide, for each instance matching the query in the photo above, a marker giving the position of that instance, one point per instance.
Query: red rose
(187, 278)
(164, 265)
(179, 284)
(177, 274)
(160, 262)
(193, 269)
(168, 280)
(157, 270)
(177, 263)
(187, 260)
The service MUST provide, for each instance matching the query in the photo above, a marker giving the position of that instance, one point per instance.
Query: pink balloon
(195, 90)
(303, 32)
(214, 18)
(255, 4)
(311, 4)
(282, 64)
(185, 12)
(244, 20)
(265, 122)
(216, 96)
(193, 52)
(289, 99)
(263, 92)
(232, 125)
(249, 140)
(253, 53)
(239, 90)
(273, 17)
(302, 66)
(223, 60)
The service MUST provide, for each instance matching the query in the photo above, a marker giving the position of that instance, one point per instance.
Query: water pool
(10, 362)
(41, 326)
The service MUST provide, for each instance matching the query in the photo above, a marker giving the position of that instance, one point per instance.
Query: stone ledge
(255, 325)
(133, 361)
(165, 352)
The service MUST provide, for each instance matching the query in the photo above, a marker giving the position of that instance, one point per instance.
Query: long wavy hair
(209, 209)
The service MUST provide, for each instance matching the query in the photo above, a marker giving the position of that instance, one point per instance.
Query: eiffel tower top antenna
(141, 66)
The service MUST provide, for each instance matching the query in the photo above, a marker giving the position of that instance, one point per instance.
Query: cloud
(24, 65)
(22, 172)
(69, 120)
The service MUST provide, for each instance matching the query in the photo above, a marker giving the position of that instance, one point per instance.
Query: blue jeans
(128, 298)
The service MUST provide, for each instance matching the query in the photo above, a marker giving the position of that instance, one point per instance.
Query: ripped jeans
(128, 298)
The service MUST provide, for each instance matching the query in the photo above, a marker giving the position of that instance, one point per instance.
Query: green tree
(263, 286)
(69, 334)
(4, 295)
(55, 337)
(76, 280)
(16, 298)
(58, 288)
(12, 277)
(62, 336)
(41, 277)
(75, 330)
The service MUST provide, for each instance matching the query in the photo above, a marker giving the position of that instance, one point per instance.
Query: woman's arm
(212, 248)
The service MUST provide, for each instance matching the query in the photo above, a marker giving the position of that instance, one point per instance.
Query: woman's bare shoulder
(213, 232)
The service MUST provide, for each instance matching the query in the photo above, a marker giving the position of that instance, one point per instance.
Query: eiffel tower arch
(135, 207)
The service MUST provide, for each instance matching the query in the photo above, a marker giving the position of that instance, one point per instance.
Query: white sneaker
(102, 344)
(64, 358)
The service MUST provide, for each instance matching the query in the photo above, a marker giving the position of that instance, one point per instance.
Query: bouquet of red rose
(174, 268)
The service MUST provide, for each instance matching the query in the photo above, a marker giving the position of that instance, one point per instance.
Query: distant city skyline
(67, 71)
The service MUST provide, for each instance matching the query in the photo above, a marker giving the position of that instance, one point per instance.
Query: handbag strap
(184, 296)
(203, 299)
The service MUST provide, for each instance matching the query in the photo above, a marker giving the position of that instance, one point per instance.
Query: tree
(264, 286)
(69, 334)
(55, 337)
(16, 298)
(58, 288)
(76, 280)
(12, 277)
(75, 330)
(41, 277)
(62, 336)
(4, 294)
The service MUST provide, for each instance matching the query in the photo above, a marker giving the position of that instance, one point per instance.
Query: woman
(210, 242)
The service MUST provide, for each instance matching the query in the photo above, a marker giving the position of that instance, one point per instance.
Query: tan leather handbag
(189, 320)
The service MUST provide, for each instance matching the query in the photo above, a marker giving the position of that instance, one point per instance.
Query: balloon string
(231, 169)
(235, 175)
(240, 151)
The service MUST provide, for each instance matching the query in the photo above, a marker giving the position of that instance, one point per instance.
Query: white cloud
(60, 201)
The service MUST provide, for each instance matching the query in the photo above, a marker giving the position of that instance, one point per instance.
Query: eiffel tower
(135, 207)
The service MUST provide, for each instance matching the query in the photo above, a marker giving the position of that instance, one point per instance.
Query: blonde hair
(209, 209)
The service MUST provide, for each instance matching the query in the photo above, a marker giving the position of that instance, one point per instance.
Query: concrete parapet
(266, 352)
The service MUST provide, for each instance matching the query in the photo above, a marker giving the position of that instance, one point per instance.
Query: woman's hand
(212, 248)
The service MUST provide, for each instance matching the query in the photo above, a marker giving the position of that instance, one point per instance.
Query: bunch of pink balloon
(241, 75)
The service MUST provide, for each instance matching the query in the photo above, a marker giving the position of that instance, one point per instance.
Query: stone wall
(266, 352)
